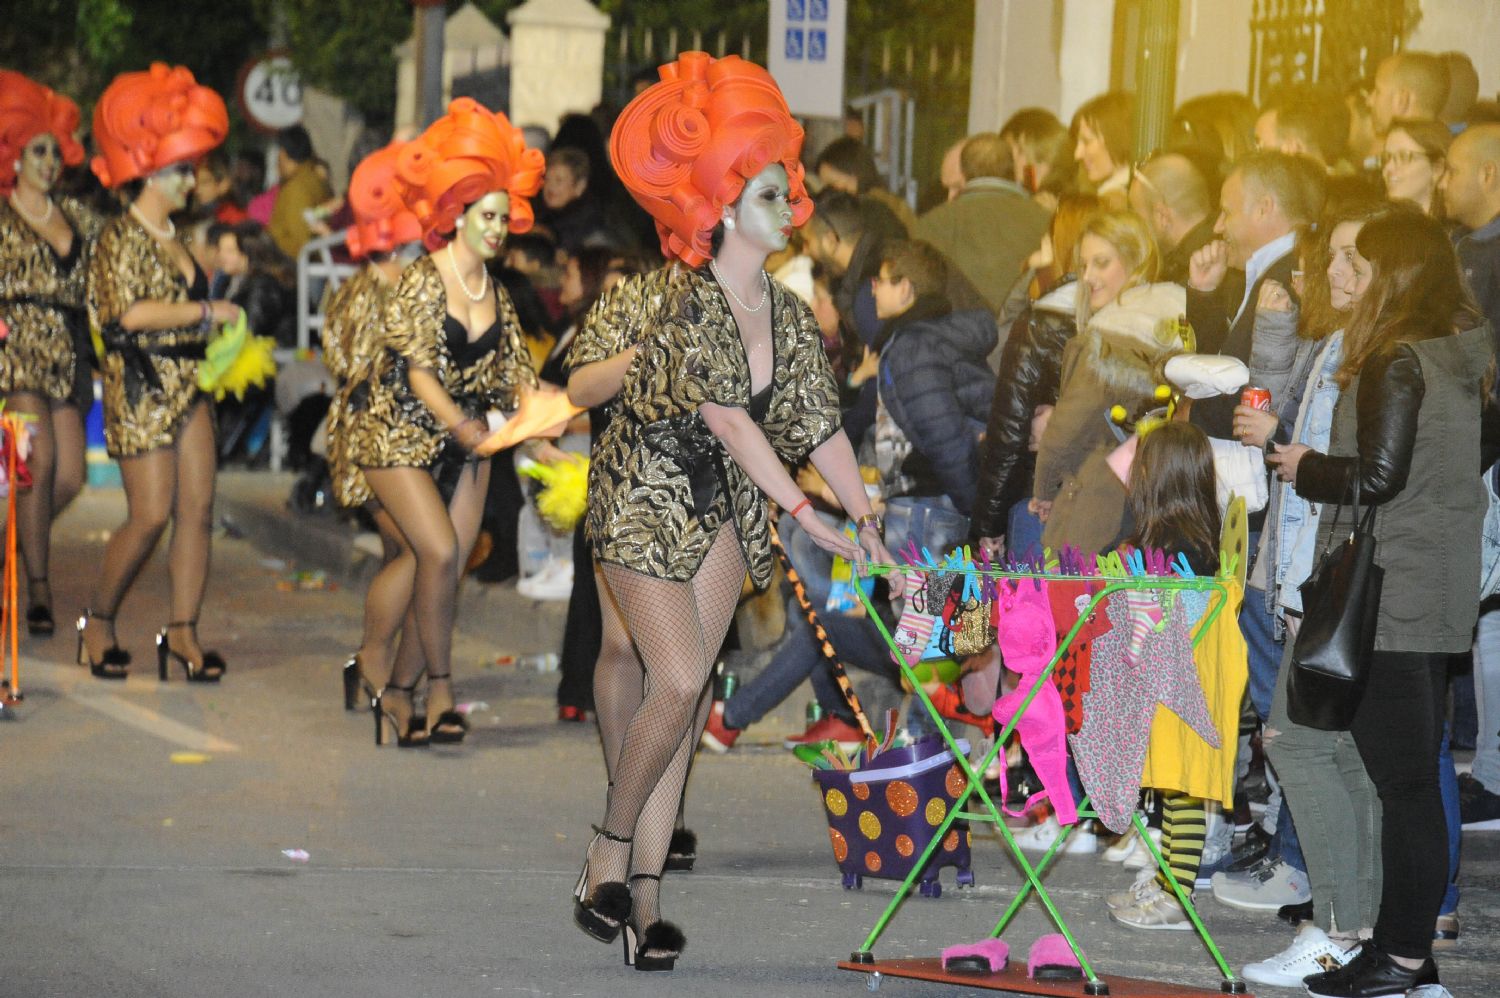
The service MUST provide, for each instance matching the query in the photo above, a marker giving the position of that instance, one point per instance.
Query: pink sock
(914, 629)
(1145, 617)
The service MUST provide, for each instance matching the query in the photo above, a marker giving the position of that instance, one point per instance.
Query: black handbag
(1340, 606)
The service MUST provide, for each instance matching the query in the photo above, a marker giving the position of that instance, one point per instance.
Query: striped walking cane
(10, 591)
(840, 674)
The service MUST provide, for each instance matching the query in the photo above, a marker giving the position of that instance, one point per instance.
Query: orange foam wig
(685, 147)
(466, 154)
(382, 220)
(27, 109)
(149, 120)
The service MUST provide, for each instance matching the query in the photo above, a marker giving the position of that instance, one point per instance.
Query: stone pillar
(1155, 74)
(427, 37)
(557, 60)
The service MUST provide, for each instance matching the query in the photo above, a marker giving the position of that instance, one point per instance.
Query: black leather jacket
(1390, 397)
(1029, 376)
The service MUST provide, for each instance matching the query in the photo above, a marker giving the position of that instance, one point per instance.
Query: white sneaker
(1039, 838)
(1140, 857)
(1312, 952)
(1265, 888)
(553, 582)
(1126, 845)
(1143, 884)
(1154, 909)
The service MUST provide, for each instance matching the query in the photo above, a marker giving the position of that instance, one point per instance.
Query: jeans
(1487, 692)
(1398, 729)
(931, 523)
(1448, 787)
(1265, 653)
(1324, 779)
(1023, 532)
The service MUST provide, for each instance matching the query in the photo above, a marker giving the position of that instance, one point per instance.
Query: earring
(458, 222)
(728, 223)
(18, 166)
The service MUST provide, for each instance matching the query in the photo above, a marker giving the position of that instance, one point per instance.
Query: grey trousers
(1336, 809)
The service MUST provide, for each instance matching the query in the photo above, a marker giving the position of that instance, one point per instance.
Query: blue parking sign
(796, 10)
(794, 43)
(817, 45)
(817, 10)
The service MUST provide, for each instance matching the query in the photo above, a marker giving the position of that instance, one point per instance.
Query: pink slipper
(988, 956)
(1052, 959)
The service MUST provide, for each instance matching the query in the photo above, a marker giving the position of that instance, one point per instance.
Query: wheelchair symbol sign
(817, 45)
(796, 10)
(794, 43)
(817, 10)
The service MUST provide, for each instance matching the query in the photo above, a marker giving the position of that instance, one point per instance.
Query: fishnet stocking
(677, 628)
(619, 680)
(386, 600)
(56, 466)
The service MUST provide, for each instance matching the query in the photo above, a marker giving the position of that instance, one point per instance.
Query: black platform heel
(451, 727)
(415, 735)
(602, 913)
(682, 853)
(116, 661)
(659, 946)
(39, 622)
(211, 670)
(356, 686)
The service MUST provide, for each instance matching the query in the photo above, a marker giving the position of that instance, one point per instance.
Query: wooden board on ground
(1013, 980)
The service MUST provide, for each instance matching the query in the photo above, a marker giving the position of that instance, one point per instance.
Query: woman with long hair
(149, 300)
(729, 380)
(1404, 441)
(351, 324)
(449, 350)
(45, 370)
(1103, 133)
(1413, 160)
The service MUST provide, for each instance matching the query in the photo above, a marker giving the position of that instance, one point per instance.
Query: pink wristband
(800, 507)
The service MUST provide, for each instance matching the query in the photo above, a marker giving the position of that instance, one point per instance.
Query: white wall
(1468, 26)
(1213, 47)
(1014, 61)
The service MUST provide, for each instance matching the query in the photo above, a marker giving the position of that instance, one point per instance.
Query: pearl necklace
(165, 235)
(765, 288)
(35, 223)
(484, 287)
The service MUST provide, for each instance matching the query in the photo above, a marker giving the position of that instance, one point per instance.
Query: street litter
(470, 706)
(189, 758)
(299, 855)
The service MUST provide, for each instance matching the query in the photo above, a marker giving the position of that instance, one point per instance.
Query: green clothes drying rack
(1014, 979)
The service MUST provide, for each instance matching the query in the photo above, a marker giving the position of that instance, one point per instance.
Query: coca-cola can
(1256, 398)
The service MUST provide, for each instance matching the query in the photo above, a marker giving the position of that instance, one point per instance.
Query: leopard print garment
(129, 266)
(619, 318)
(642, 511)
(351, 323)
(39, 295)
(388, 426)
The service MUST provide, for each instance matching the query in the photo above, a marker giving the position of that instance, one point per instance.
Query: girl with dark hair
(1104, 145)
(1175, 508)
(1404, 441)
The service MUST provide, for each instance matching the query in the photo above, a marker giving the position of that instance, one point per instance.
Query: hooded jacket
(1030, 375)
(937, 387)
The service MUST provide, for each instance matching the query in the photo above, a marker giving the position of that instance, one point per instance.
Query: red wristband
(800, 506)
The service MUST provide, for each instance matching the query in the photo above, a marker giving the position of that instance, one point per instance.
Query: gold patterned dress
(150, 375)
(351, 326)
(660, 483)
(387, 425)
(47, 349)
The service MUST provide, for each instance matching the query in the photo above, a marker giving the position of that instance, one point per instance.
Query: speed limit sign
(270, 92)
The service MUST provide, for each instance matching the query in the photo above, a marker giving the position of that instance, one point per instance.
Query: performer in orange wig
(449, 348)
(351, 323)
(149, 301)
(45, 371)
(728, 381)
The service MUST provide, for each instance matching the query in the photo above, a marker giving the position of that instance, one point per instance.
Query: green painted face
(763, 215)
(484, 225)
(41, 162)
(175, 183)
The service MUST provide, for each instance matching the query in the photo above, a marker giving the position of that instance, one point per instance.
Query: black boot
(1371, 974)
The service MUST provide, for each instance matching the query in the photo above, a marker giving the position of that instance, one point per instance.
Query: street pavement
(144, 825)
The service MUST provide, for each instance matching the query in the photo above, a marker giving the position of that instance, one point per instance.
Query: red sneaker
(830, 728)
(718, 737)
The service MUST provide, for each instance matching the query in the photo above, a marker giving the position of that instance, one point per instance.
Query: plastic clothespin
(1135, 562)
(1181, 567)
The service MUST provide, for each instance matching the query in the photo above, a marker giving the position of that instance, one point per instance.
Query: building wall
(1213, 47)
(1468, 26)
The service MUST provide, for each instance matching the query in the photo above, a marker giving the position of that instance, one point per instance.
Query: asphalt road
(143, 829)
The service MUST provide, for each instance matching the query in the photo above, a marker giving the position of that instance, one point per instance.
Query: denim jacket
(1297, 524)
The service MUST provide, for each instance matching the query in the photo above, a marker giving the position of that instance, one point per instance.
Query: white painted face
(484, 226)
(175, 183)
(41, 163)
(763, 213)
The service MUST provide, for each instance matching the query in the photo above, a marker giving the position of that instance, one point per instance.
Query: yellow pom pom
(564, 496)
(1163, 392)
(1118, 413)
(252, 367)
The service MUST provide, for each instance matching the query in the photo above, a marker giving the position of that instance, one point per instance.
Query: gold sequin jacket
(648, 510)
(150, 375)
(351, 325)
(47, 348)
(388, 426)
